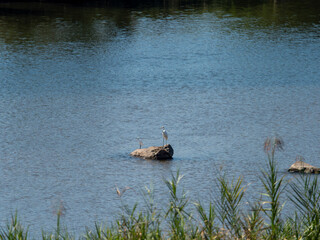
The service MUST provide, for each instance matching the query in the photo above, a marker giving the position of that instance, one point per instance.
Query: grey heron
(140, 142)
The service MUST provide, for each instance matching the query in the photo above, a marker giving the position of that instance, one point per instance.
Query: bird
(140, 142)
(121, 192)
(164, 135)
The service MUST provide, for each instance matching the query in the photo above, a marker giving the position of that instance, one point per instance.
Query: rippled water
(79, 84)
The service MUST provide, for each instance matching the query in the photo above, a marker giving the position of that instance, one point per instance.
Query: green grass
(225, 217)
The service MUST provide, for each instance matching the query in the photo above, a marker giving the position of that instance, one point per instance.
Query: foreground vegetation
(223, 218)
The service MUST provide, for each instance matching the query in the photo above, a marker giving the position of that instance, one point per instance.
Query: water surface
(80, 84)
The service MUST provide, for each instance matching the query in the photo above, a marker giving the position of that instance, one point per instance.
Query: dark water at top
(79, 84)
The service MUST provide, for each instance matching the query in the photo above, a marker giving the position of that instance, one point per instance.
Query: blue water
(78, 88)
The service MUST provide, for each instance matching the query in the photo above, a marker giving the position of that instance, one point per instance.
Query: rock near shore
(302, 167)
(157, 153)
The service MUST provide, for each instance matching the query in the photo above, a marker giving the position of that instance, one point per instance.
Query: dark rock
(302, 167)
(157, 153)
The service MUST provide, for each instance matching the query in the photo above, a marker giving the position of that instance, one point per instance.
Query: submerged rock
(157, 153)
(302, 167)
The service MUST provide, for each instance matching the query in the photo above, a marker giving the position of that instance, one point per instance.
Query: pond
(79, 84)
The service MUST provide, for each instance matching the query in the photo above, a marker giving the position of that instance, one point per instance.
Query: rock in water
(157, 153)
(302, 167)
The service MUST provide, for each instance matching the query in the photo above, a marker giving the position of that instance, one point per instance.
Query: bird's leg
(163, 142)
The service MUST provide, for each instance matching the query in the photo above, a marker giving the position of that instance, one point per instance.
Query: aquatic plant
(14, 230)
(306, 197)
(231, 194)
(60, 233)
(176, 214)
(274, 187)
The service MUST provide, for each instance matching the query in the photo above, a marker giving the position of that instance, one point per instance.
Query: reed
(207, 226)
(231, 194)
(225, 217)
(14, 230)
(176, 214)
(253, 224)
(274, 187)
(305, 195)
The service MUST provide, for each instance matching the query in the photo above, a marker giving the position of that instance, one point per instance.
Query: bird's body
(164, 135)
(121, 192)
(140, 142)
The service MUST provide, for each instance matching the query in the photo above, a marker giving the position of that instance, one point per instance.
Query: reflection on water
(80, 84)
(62, 22)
